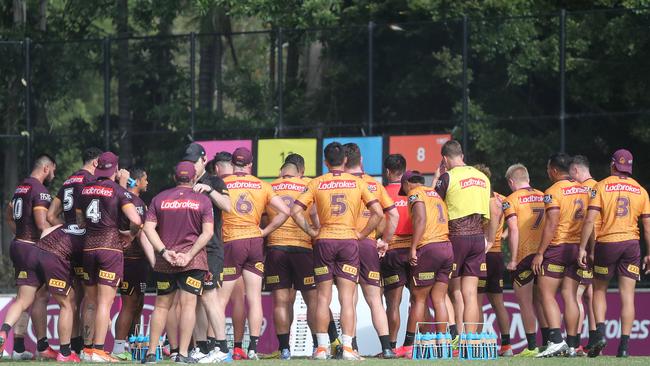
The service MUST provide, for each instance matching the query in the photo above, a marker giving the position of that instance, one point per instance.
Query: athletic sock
(314, 339)
(77, 344)
(624, 341)
(99, 347)
(600, 329)
(19, 344)
(173, 350)
(65, 349)
(323, 340)
(5, 328)
(572, 341)
(453, 330)
(531, 338)
(203, 346)
(252, 345)
(332, 332)
(545, 336)
(354, 343)
(223, 346)
(409, 339)
(592, 337)
(554, 335)
(238, 345)
(385, 342)
(119, 346)
(212, 343)
(505, 339)
(42, 344)
(346, 340)
(393, 345)
(283, 339)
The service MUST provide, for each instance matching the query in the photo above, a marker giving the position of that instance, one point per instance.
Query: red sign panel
(422, 152)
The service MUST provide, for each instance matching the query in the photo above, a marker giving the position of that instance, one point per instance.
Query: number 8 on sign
(421, 154)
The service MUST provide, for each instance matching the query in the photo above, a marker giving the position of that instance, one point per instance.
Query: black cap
(193, 152)
(408, 176)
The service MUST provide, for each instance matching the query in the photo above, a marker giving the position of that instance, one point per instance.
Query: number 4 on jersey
(92, 211)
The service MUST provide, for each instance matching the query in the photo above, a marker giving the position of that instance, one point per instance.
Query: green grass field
(609, 361)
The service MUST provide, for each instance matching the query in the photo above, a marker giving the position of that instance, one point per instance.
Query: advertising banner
(272, 152)
(422, 152)
(371, 151)
(215, 146)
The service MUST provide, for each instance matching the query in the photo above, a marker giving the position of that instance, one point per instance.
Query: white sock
(323, 340)
(346, 340)
(119, 346)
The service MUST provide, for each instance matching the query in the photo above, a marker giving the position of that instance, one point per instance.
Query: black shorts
(214, 279)
(190, 281)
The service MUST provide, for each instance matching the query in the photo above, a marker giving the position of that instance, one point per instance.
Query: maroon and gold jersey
(249, 197)
(180, 214)
(496, 248)
(288, 188)
(591, 183)
(133, 250)
(382, 196)
(59, 242)
(571, 199)
(69, 194)
(30, 195)
(436, 229)
(527, 205)
(101, 204)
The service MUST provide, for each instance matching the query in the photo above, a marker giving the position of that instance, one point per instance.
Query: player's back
(404, 229)
(69, 194)
(249, 197)
(621, 201)
(380, 194)
(134, 249)
(436, 229)
(571, 199)
(496, 248)
(29, 195)
(101, 203)
(527, 204)
(288, 188)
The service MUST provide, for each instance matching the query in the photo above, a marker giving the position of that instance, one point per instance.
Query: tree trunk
(42, 15)
(293, 60)
(207, 62)
(122, 67)
(272, 56)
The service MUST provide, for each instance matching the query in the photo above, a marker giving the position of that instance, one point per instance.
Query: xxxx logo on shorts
(319, 271)
(424, 276)
(633, 269)
(163, 285)
(79, 271)
(57, 283)
(585, 273)
(105, 275)
(229, 271)
(125, 285)
(373, 275)
(259, 266)
(22, 274)
(525, 274)
(349, 269)
(482, 283)
(501, 283)
(193, 282)
(272, 279)
(308, 280)
(391, 280)
(601, 270)
(483, 267)
(556, 268)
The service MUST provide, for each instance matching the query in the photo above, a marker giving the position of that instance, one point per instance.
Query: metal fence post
(28, 102)
(465, 86)
(371, 107)
(107, 93)
(280, 127)
(562, 80)
(192, 82)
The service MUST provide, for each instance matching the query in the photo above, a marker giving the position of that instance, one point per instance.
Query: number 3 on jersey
(92, 211)
(338, 204)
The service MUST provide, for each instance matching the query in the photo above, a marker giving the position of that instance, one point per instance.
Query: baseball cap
(407, 176)
(193, 152)
(185, 172)
(622, 160)
(242, 156)
(106, 165)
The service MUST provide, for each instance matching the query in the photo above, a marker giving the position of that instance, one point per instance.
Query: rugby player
(621, 201)
(179, 225)
(579, 171)
(138, 258)
(370, 248)
(338, 197)
(492, 283)
(556, 259)
(430, 255)
(101, 206)
(210, 313)
(466, 191)
(524, 214)
(289, 265)
(244, 240)
(27, 218)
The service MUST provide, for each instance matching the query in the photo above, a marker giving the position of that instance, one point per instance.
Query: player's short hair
(353, 153)
(334, 154)
(451, 149)
(417, 177)
(297, 160)
(288, 164)
(89, 154)
(560, 161)
(580, 160)
(43, 160)
(395, 163)
(210, 167)
(518, 173)
(137, 172)
(484, 169)
(222, 157)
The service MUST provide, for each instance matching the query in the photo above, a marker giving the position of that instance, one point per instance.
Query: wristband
(162, 251)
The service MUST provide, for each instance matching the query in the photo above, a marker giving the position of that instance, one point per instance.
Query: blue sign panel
(371, 151)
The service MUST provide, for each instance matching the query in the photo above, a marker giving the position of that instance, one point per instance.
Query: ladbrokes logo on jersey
(22, 189)
(179, 205)
(432, 193)
(401, 203)
(570, 191)
(472, 182)
(337, 184)
(97, 191)
(288, 186)
(622, 187)
(244, 184)
(531, 198)
(75, 179)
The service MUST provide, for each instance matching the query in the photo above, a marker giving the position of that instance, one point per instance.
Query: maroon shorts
(25, 259)
(523, 274)
(586, 276)
(77, 255)
(336, 258)
(492, 283)
(469, 255)
(622, 258)
(561, 261)
(435, 261)
(369, 266)
(395, 268)
(289, 267)
(103, 267)
(136, 271)
(243, 255)
(189, 281)
(57, 273)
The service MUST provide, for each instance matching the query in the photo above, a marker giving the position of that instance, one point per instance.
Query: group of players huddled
(222, 235)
